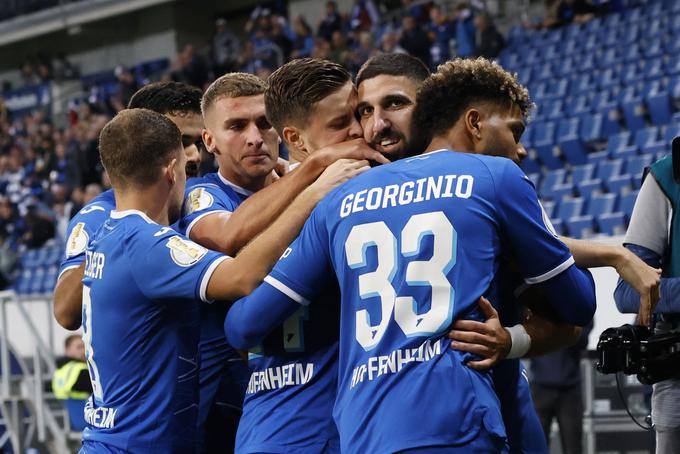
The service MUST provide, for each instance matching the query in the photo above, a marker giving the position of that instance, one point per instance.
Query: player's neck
(248, 183)
(452, 140)
(144, 201)
(297, 156)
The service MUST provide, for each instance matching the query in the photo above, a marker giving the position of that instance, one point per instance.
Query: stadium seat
(635, 165)
(598, 205)
(648, 140)
(598, 156)
(570, 207)
(659, 107)
(612, 223)
(634, 111)
(620, 146)
(591, 130)
(571, 145)
(551, 179)
(544, 144)
(617, 184)
(627, 203)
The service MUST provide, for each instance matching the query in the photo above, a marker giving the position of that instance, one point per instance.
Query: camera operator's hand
(644, 279)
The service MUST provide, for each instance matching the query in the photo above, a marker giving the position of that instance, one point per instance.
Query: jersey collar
(121, 214)
(236, 188)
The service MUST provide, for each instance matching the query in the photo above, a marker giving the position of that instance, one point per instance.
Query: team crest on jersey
(185, 252)
(77, 240)
(198, 199)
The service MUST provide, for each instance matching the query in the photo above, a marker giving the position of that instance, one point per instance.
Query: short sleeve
(526, 229)
(650, 221)
(303, 270)
(80, 231)
(168, 265)
(202, 200)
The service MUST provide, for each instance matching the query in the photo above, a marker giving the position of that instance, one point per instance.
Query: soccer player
(142, 284)
(387, 87)
(289, 400)
(413, 245)
(226, 209)
(179, 102)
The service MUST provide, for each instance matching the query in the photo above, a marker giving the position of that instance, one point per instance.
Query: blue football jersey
(82, 228)
(223, 374)
(413, 245)
(288, 406)
(522, 426)
(141, 292)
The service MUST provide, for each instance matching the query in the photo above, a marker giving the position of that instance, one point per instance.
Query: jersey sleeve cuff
(201, 216)
(206, 278)
(289, 292)
(550, 274)
(65, 269)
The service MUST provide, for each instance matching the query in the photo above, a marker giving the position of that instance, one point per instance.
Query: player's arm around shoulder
(239, 277)
(206, 218)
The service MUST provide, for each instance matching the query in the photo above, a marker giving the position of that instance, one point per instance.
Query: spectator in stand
(419, 11)
(390, 44)
(364, 15)
(331, 22)
(578, 11)
(365, 50)
(557, 392)
(127, 86)
(489, 39)
(339, 48)
(303, 41)
(71, 380)
(414, 40)
(225, 49)
(465, 30)
(190, 68)
(280, 36)
(441, 32)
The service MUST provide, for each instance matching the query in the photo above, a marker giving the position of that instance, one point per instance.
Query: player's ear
(209, 141)
(170, 170)
(293, 138)
(473, 120)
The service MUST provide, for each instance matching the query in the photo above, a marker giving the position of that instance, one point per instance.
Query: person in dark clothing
(556, 389)
(578, 11)
(490, 41)
(331, 22)
(414, 40)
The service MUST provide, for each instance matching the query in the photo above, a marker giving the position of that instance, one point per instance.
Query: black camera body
(635, 350)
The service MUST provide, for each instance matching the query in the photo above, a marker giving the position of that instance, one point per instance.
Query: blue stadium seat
(553, 110)
(571, 145)
(619, 183)
(653, 48)
(557, 89)
(672, 131)
(570, 207)
(631, 73)
(36, 284)
(631, 53)
(544, 144)
(605, 171)
(648, 140)
(659, 107)
(634, 113)
(581, 83)
(530, 166)
(627, 203)
(612, 223)
(591, 130)
(620, 146)
(598, 156)
(608, 78)
(598, 205)
(635, 165)
(582, 173)
(653, 69)
(551, 179)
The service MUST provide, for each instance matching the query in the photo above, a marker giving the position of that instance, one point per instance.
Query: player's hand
(336, 174)
(644, 279)
(356, 149)
(282, 167)
(489, 339)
